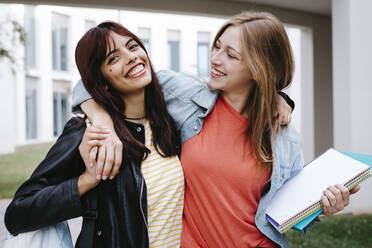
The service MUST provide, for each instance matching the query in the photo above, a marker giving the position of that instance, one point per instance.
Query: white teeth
(135, 70)
(217, 73)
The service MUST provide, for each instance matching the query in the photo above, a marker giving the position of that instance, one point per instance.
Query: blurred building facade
(36, 90)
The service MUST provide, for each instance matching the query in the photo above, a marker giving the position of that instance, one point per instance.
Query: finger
(331, 198)
(280, 118)
(97, 129)
(92, 143)
(326, 205)
(103, 128)
(340, 204)
(336, 192)
(344, 193)
(109, 161)
(100, 161)
(286, 118)
(94, 135)
(354, 190)
(93, 156)
(118, 158)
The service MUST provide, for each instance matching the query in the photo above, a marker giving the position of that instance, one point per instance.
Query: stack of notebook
(298, 200)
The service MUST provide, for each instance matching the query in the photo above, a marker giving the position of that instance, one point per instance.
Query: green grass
(17, 167)
(341, 231)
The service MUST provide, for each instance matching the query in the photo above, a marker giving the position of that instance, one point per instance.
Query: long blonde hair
(268, 56)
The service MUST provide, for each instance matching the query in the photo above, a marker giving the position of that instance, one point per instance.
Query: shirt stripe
(165, 188)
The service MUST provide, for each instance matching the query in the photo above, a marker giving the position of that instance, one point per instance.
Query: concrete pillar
(8, 86)
(189, 43)
(44, 62)
(17, 11)
(158, 55)
(352, 86)
(8, 110)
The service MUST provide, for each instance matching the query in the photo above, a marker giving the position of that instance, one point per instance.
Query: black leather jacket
(51, 195)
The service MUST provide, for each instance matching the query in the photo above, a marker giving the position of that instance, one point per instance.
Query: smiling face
(229, 72)
(126, 65)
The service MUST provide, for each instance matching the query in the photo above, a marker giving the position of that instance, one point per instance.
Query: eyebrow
(115, 50)
(218, 40)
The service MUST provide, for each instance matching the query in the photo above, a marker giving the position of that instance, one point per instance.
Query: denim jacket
(189, 101)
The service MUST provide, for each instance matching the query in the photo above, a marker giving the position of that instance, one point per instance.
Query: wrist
(86, 182)
(103, 121)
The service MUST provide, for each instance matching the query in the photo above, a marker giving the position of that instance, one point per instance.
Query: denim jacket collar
(205, 99)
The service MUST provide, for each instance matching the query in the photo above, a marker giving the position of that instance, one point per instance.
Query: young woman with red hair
(142, 206)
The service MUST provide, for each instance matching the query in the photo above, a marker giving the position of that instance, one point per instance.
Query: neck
(237, 99)
(134, 105)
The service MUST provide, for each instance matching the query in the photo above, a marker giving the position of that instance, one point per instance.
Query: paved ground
(75, 224)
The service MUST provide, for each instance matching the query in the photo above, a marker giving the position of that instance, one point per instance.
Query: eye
(217, 46)
(112, 59)
(231, 56)
(133, 46)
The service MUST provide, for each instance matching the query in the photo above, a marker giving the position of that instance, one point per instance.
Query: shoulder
(289, 134)
(287, 146)
(75, 125)
(168, 76)
(180, 84)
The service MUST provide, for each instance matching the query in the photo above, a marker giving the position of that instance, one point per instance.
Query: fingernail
(91, 164)
(104, 177)
(111, 177)
(98, 177)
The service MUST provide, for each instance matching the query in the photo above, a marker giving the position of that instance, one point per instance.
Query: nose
(215, 58)
(132, 57)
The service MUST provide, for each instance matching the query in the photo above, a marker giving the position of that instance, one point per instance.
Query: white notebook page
(306, 188)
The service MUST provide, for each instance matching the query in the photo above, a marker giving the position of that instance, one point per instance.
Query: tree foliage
(11, 33)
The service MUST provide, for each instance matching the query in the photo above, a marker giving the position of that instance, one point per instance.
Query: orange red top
(223, 184)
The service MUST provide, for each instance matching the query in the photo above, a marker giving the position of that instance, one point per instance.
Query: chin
(212, 85)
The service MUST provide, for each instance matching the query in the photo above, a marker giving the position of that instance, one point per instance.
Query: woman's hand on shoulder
(336, 198)
(91, 140)
(284, 111)
(107, 154)
(101, 151)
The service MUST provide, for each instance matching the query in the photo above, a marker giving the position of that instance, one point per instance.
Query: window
(89, 24)
(203, 53)
(60, 113)
(31, 108)
(174, 50)
(59, 41)
(145, 35)
(29, 27)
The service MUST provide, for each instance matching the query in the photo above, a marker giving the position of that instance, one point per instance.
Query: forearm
(86, 183)
(36, 205)
(97, 114)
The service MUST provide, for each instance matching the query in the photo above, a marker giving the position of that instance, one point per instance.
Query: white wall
(352, 85)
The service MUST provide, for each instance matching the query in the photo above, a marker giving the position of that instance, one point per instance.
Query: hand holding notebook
(300, 197)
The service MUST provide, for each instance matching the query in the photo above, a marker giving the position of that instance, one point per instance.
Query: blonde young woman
(235, 155)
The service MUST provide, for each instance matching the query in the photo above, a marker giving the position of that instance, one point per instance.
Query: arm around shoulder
(79, 95)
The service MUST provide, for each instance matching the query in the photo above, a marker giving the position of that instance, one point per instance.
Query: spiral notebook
(299, 198)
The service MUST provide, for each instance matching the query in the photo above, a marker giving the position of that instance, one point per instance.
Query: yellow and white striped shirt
(165, 187)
